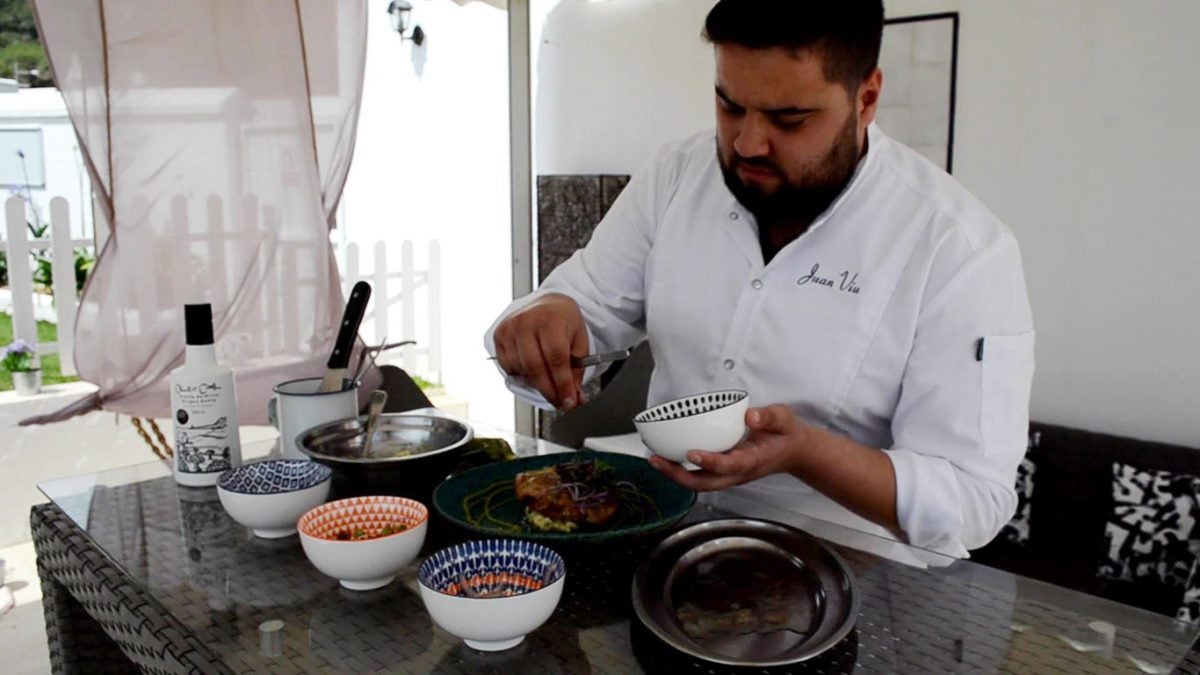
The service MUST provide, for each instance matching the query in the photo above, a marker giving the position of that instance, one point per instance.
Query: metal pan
(745, 593)
(409, 456)
(397, 438)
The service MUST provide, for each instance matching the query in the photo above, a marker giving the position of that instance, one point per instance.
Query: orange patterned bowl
(363, 541)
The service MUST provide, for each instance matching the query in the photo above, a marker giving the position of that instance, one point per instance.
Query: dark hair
(846, 33)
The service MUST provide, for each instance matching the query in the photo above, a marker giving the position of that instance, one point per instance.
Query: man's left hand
(774, 438)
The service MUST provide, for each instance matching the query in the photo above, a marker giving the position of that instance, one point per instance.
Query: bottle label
(202, 433)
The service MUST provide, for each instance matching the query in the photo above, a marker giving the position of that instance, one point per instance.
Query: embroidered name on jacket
(846, 282)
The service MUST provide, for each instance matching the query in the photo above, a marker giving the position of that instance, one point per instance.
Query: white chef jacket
(900, 319)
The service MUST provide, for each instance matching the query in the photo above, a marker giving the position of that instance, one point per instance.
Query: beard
(801, 201)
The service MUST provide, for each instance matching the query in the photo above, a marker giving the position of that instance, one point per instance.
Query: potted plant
(20, 359)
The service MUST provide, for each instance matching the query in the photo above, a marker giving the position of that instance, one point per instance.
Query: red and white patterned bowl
(345, 539)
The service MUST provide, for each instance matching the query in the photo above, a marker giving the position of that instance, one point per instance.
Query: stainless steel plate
(745, 592)
(398, 438)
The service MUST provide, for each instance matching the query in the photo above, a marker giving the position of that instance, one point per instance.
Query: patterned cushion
(1189, 607)
(1152, 534)
(1016, 531)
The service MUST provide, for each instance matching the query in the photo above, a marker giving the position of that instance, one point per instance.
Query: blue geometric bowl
(269, 497)
(492, 567)
(492, 593)
(274, 476)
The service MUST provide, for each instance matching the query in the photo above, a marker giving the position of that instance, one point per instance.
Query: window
(18, 171)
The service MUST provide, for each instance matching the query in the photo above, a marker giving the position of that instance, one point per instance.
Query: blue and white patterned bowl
(269, 497)
(274, 476)
(713, 421)
(493, 592)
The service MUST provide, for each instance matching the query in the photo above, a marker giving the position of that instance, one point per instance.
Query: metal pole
(521, 168)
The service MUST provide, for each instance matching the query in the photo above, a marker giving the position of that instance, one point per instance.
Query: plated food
(362, 533)
(564, 497)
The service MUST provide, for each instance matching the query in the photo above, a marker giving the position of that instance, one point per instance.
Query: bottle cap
(198, 324)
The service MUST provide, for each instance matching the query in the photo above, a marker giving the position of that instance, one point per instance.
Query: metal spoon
(593, 359)
(378, 399)
(358, 367)
(361, 369)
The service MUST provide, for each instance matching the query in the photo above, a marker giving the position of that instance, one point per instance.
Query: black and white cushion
(1153, 532)
(1016, 531)
(1189, 607)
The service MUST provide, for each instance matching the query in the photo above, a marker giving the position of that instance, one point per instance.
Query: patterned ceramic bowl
(492, 593)
(714, 421)
(363, 541)
(269, 496)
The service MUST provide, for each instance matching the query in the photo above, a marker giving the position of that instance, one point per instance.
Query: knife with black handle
(339, 360)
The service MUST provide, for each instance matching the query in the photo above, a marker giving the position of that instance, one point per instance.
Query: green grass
(423, 383)
(47, 332)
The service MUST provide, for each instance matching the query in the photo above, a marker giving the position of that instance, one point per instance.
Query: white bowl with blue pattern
(713, 421)
(492, 593)
(269, 497)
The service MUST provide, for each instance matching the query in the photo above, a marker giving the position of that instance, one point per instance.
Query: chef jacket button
(756, 284)
(728, 364)
(733, 215)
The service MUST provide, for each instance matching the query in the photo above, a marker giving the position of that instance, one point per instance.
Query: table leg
(77, 643)
(97, 618)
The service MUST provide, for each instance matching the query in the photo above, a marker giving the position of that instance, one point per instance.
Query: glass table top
(262, 607)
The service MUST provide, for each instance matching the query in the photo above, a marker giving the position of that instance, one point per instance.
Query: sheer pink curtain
(218, 135)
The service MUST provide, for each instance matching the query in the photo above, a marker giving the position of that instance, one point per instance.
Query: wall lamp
(400, 14)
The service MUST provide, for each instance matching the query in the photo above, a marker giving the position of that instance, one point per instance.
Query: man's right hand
(537, 343)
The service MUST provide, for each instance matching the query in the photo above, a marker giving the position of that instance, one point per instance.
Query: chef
(874, 310)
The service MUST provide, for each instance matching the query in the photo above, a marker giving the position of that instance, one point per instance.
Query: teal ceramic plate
(483, 500)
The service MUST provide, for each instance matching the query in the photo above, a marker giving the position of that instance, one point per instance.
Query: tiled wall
(569, 208)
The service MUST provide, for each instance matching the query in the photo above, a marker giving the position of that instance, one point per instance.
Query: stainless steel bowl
(746, 593)
(398, 440)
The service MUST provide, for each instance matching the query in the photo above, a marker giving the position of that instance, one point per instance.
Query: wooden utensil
(339, 359)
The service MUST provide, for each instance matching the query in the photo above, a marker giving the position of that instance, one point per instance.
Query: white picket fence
(62, 246)
(398, 286)
(420, 288)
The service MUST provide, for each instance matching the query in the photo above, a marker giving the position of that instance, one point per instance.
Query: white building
(34, 123)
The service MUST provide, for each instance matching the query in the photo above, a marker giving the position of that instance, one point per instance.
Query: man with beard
(873, 309)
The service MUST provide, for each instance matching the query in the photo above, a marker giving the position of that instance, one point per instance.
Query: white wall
(1073, 124)
(431, 162)
(614, 80)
